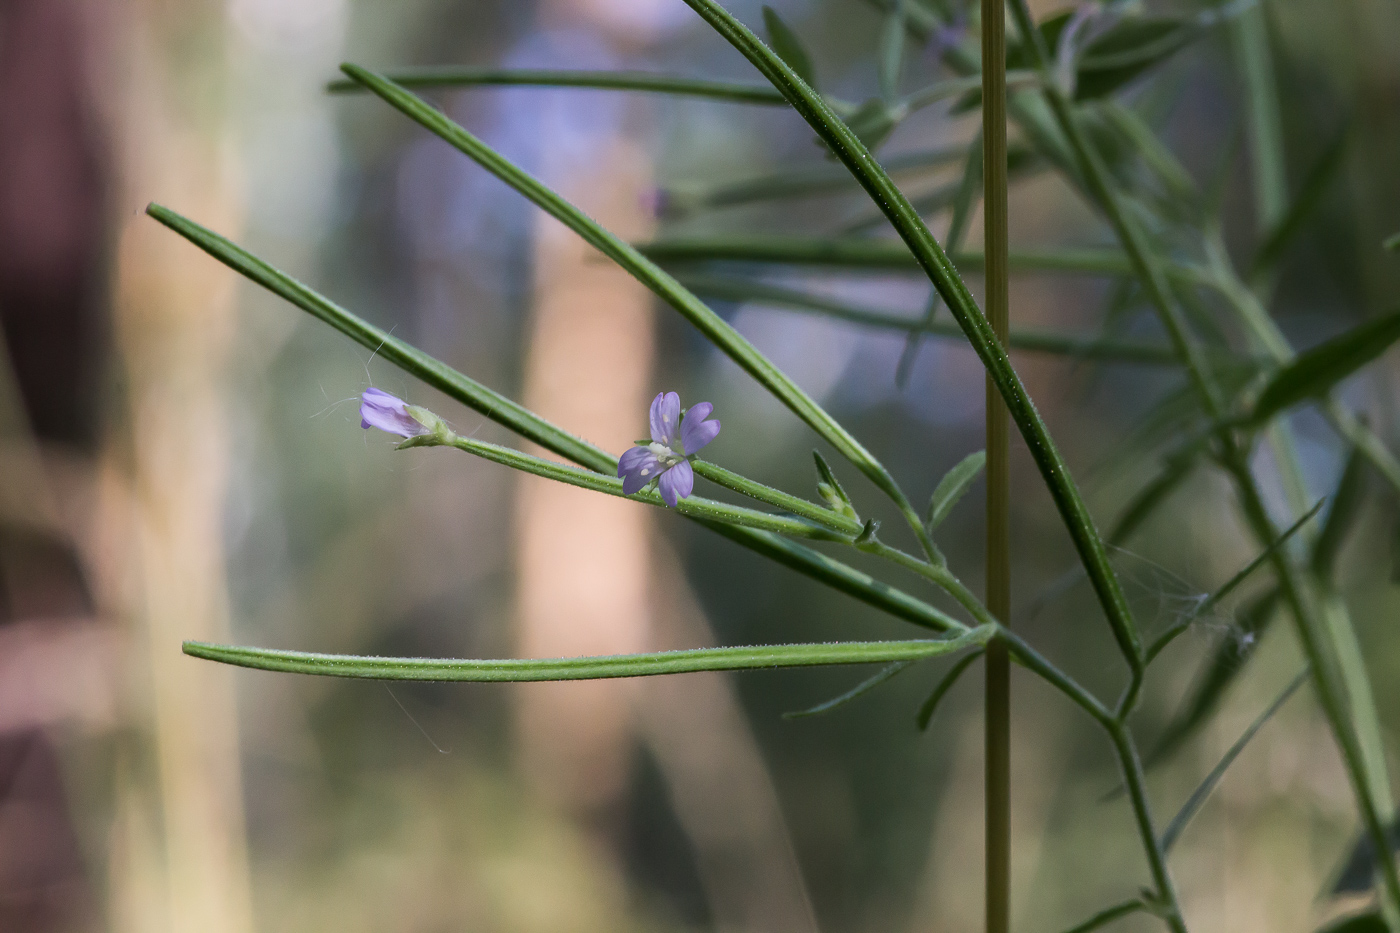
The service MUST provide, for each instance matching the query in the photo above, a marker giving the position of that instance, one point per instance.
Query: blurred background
(182, 459)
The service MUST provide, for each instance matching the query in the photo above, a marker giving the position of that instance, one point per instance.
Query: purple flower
(673, 442)
(388, 413)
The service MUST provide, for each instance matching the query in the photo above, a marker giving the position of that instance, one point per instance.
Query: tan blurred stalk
(179, 859)
(582, 558)
(592, 580)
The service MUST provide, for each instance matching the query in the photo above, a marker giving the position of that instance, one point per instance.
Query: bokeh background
(182, 459)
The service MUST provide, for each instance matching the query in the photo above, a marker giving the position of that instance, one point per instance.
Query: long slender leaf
(1022, 338)
(785, 42)
(1108, 915)
(1315, 185)
(1361, 702)
(952, 487)
(1315, 372)
(601, 80)
(859, 690)
(411, 360)
(864, 253)
(1198, 797)
(930, 706)
(587, 668)
(1357, 873)
(504, 411)
(801, 181)
(715, 328)
(892, 39)
(1341, 516)
(1132, 47)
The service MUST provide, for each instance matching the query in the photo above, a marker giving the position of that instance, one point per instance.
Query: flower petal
(632, 459)
(665, 418)
(641, 469)
(676, 482)
(696, 432)
(379, 409)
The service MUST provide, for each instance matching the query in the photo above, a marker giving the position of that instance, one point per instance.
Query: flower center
(666, 455)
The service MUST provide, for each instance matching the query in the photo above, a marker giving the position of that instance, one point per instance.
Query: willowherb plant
(1058, 85)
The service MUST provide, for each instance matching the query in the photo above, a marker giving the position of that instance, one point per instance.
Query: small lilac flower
(673, 442)
(381, 410)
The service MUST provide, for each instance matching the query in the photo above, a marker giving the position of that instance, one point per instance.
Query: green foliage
(1313, 374)
(952, 487)
(1169, 256)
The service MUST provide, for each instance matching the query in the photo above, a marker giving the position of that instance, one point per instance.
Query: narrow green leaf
(716, 329)
(952, 487)
(864, 253)
(1360, 701)
(1108, 915)
(1217, 674)
(1135, 45)
(601, 80)
(587, 668)
(1357, 874)
(968, 189)
(504, 411)
(1341, 516)
(892, 39)
(860, 689)
(802, 181)
(411, 360)
(1315, 185)
(784, 41)
(1155, 154)
(1198, 797)
(930, 706)
(873, 122)
(831, 489)
(1315, 372)
(1087, 347)
(1391, 242)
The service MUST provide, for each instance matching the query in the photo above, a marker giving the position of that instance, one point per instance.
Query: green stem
(936, 573)
(1134, 781)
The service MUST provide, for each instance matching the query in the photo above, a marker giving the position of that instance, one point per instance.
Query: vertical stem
(998, 684)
